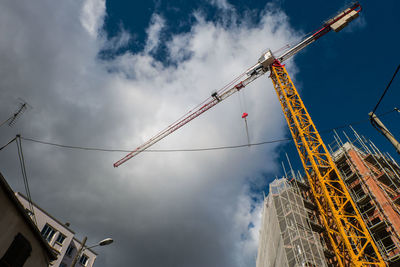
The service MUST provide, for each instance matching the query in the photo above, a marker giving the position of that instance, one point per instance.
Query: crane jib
(261, 67)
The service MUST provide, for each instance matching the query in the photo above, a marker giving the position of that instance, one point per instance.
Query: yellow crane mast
(345, 229)
(347, 232)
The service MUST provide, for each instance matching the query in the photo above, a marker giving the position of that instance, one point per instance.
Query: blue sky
(341, 76)
(111, 74)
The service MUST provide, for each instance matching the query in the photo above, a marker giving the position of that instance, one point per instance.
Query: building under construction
(287, 238)
(292, 233)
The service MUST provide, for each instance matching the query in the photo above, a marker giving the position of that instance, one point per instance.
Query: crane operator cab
(264, 62)
(266, 59)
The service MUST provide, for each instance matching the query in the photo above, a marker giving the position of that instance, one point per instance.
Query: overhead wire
(25, 176)
(191, 149)
(153, 150)
(378, 127)
(21, 158)
(387, 88)
(4, 146)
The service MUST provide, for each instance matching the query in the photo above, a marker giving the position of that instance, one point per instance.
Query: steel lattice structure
(348, 235)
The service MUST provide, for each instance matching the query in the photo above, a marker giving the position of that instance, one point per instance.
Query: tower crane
(345, 229)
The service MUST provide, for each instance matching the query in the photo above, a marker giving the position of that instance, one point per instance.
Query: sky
(111, 74)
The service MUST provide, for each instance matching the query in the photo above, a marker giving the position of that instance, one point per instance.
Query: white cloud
(92, 15)
(222, 4)
(153, 33)
(121, 40)
(181, 209)
(247, 221)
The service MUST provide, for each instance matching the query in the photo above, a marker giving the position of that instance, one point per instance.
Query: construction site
(292, 232)
(106, 84)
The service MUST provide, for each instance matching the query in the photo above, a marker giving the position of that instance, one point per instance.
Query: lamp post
(103, 242)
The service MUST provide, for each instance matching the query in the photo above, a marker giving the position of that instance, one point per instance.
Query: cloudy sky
(112, 74)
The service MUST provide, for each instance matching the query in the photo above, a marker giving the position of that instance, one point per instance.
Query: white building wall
(43, 218)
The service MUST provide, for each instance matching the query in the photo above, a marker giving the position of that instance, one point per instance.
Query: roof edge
(28, 220)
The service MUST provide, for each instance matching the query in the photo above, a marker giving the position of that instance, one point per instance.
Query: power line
(74, 147)
(21, 158)
(190, 149)
(154, 150)
(25, 176)
(387, 87)
(12, 140)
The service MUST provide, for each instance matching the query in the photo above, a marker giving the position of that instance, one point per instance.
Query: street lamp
(103, 242)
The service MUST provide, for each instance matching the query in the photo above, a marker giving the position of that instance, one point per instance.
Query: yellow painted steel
(347, 232)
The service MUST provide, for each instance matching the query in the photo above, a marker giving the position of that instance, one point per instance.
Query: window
(18, 252)
(48, 232)
(83, 260)
(69, 251)
(60, 238)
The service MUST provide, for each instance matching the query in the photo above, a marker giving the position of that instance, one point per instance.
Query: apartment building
(20, 241)
(59, 236)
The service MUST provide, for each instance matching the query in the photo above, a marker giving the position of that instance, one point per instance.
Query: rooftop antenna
(22, 107)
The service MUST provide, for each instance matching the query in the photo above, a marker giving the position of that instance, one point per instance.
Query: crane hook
(244, 116)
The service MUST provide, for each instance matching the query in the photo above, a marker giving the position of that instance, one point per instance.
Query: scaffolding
(287, 237)
(373, 180)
